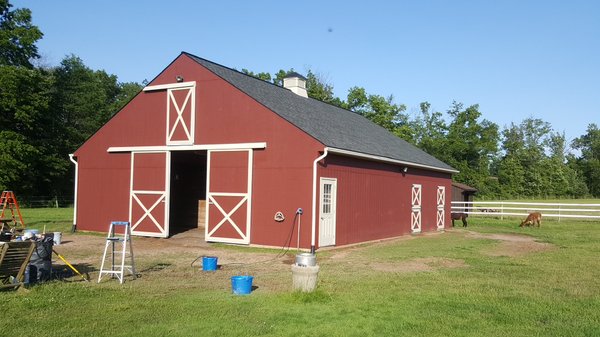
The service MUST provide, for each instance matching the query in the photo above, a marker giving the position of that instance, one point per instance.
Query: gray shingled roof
(332, 126)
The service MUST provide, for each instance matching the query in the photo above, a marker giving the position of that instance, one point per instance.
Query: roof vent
(296, 83)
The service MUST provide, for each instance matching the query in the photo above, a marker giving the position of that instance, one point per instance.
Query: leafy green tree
(429, 130)
(589, 161)
(28, 130)
(17, 36)
(535, 162)
(263, 76)
(471, 145)
(83, 99)
(380, 110)
(318, 88)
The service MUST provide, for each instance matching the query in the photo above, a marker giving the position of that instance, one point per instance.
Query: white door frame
(163, 197)
(327, 235)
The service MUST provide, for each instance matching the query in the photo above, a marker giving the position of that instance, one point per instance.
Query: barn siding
(373, 199)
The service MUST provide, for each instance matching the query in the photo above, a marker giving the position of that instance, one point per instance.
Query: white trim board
(170, 86)
(231, 147)
(386, 160)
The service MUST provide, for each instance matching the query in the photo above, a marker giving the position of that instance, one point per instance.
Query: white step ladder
(111, 239)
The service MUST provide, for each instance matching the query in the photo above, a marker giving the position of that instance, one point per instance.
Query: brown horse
(459, 216)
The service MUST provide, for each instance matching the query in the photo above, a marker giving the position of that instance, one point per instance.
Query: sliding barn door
(149, 197)
(229, 195)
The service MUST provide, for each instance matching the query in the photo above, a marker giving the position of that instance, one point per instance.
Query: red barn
(271, 165)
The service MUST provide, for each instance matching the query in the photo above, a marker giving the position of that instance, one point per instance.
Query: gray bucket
(57, 238)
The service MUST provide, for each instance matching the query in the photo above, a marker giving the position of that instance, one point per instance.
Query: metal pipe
(71, 158)
(314, 199)
(299, 213)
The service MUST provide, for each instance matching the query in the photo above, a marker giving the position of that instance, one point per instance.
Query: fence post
(559, 213)
(55, 201)
(502, 210)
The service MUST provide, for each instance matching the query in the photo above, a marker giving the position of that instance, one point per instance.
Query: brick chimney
(296, 83)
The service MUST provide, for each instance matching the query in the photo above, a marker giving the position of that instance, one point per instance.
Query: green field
(457, 283)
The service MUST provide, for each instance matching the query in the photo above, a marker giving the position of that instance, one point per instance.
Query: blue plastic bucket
(209, 263)
(241, 285)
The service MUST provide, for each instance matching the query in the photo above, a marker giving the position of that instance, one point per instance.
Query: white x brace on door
(415, 216)
(441, 207)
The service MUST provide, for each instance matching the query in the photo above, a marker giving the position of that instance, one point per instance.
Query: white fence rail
(510, 208)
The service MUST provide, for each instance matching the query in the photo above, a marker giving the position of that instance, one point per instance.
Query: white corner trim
(76, 187)
(386, 160)
(170, 86)
(224, 147)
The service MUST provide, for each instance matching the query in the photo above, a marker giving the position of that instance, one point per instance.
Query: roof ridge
(267, 82)
(232, 69)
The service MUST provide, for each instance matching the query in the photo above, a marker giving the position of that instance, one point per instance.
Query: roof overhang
(177, 85)
(387, 160)
(224, 147)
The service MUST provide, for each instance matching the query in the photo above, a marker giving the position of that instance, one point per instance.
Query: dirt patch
(512, 245)
(419, 265)
(177, 256)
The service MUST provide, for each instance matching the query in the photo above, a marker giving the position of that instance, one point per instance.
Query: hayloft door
(441, 210)
(148, 196)
(415, 216)
(229, 196)
(327, 213)
(181, 109)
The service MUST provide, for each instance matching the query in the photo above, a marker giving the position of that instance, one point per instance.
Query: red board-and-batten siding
(367, 207)
(374, 199)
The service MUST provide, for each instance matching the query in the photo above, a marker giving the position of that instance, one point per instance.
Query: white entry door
(327, 212)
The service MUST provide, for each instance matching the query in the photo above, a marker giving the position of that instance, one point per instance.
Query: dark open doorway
(188, 190)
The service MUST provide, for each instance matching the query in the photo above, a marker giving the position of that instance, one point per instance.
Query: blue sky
(516, 59)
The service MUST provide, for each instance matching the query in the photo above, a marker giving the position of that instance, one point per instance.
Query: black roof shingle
(332, 126)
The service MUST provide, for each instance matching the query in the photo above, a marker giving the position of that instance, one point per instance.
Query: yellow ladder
(123, 237)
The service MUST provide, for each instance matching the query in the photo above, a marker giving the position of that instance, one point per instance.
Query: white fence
(510, 208)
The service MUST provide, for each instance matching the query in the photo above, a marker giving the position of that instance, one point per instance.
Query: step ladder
(112, 239)
(8, 201)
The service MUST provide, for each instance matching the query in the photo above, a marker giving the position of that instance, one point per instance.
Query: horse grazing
(534, 218)
(459, 216)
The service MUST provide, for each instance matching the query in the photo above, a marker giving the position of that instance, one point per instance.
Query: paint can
(57, 238)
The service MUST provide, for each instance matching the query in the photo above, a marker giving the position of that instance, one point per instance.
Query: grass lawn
(54, 219)
(457, 283)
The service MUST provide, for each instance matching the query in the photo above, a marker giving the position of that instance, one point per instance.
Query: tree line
(47, 112)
